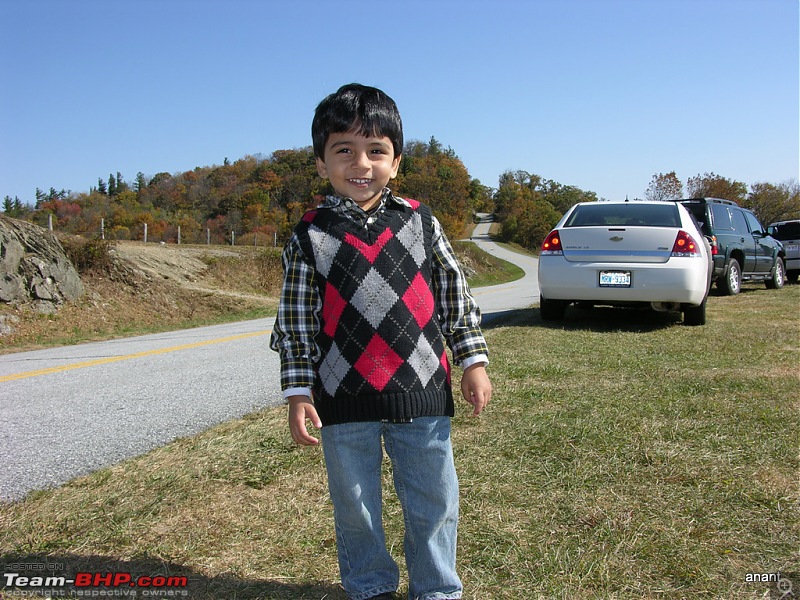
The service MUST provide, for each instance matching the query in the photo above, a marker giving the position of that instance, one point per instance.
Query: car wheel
(695, 315)
(551, 310)
(778, 275)
(731, 283)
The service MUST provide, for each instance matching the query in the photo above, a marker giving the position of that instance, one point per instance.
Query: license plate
(615, 279)
(792, 247)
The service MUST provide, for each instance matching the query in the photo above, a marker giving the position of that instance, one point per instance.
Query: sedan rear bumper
(683, 280)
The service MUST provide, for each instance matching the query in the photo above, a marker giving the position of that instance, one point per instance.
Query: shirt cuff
(468, 362)
(296, 391)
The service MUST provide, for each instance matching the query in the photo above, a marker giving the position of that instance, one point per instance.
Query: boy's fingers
(479, 400)
(300, 434)
(302, 437)
(299, 411)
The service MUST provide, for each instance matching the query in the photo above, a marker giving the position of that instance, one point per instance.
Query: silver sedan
(626, 254)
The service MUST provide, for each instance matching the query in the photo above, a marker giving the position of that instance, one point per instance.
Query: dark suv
(740, 246)
(788, 232)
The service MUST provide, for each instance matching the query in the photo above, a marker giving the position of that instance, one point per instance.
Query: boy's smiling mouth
(360, 181)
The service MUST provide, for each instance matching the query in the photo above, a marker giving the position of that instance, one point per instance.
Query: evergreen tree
(121, 185)
(141, 182)
(13, 208)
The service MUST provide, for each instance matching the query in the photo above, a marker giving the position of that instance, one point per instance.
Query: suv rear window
(721, 216)
(630, 214)
(786, 231)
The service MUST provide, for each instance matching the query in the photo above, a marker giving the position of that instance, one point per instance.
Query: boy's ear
(321, 168)
(395, 165)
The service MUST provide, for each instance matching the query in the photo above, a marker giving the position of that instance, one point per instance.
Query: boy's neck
(370, 204)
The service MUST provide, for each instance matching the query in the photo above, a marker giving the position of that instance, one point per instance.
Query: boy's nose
(361, 160)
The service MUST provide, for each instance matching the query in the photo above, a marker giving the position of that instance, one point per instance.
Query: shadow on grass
(597, 319)
(198, 586)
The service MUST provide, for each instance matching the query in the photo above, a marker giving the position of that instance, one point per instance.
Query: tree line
(770, 202)
(257, 199)
(252, 198)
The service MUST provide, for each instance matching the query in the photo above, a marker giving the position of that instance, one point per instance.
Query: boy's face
(358, 167)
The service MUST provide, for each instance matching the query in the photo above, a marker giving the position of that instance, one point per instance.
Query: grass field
(623, 456)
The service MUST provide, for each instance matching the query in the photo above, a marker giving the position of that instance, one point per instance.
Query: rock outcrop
(34, 268)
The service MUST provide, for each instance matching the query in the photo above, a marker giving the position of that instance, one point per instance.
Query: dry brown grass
(133, 293)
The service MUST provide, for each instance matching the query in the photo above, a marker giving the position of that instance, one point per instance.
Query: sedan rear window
(629, 214)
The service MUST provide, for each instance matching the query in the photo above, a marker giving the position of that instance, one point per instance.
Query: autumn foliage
(254, 200)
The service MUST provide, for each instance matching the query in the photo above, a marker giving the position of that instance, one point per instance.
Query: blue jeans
(427, 487)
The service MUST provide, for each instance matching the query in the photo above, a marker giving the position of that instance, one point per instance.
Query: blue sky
(600, 94)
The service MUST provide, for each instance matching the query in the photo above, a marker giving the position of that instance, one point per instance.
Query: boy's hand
(476, 387)
(300, 409)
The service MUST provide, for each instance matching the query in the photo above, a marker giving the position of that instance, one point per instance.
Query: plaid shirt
(298, 319)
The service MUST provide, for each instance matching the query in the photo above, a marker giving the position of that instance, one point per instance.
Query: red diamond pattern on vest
(378, 363)
(332, 309)
(419, 300)
(370, 251)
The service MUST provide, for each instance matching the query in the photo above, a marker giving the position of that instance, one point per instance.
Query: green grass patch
(483, 268)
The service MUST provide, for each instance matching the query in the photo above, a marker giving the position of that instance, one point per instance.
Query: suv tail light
(552, 244)
(714, 246)
(685, 245)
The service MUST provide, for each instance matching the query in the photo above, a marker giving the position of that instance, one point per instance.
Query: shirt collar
(334, 200)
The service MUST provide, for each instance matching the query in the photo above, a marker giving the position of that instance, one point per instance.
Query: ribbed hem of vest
(399, 406)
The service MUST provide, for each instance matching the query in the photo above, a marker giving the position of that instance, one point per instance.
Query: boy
(370, 286)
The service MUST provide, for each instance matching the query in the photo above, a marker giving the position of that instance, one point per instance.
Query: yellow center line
(112, 359)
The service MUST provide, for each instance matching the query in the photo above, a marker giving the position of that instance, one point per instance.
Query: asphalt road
(68, 411)
(498, 299)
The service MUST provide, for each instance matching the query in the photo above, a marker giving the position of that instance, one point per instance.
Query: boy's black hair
(355, 107)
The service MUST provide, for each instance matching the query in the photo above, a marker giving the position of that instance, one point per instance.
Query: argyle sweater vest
(382, 354)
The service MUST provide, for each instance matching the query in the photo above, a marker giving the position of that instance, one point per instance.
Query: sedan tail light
(552, 244)
(685, 245)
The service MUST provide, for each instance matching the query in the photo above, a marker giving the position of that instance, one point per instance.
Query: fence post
(145, 233)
